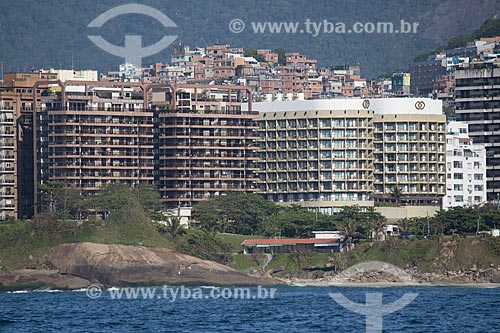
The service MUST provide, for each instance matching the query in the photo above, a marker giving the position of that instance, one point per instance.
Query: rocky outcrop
(471, 275)
(79, 265)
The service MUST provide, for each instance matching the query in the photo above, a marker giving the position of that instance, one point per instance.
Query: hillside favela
(316, 166)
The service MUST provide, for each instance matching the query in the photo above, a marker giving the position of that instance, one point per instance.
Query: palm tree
(396, 193)
(376, 225)
(174, 227)
(349, 227)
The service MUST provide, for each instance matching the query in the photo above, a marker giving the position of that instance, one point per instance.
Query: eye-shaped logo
(132, 51)
(366, 104)
(419, 105)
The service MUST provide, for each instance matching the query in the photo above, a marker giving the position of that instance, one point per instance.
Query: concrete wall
(394, 214)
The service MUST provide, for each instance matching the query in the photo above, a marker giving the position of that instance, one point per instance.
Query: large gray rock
(80, 264)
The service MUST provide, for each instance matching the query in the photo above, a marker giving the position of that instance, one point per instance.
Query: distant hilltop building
(262, 70)
(400, 84)
(427, 74)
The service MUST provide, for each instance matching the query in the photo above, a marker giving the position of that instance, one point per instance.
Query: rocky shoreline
(472, 277)
(75, 266)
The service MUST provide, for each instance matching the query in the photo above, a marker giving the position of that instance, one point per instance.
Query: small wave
(47, 290)
(19, 292)
(79, 290)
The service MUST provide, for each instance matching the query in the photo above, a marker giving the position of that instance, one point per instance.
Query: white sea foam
(18, 292)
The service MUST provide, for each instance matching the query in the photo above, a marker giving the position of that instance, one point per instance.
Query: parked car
(406, 235)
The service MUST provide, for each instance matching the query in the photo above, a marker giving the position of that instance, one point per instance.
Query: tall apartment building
(465, 168)
(477, 103)
(94, 133)
(206, 143)
(16, 141)
(325, 154)
(193, 142)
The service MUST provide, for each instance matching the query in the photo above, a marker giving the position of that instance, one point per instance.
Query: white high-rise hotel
(465, 166)
(325, 154)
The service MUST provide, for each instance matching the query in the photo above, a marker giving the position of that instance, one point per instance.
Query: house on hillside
(324, 241)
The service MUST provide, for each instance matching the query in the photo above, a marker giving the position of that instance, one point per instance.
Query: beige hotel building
(325, 154)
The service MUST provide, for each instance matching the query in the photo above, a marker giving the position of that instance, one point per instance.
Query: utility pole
(477, 226)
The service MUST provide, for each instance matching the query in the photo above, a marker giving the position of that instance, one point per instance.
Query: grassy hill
(20, 248)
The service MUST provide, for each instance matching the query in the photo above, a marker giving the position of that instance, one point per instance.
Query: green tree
(241, 213)
(455, 219)
(281, 55)
(175, 227)
(168, 224)
(350, 221)
(251, 52)
(66, 202)
(396, 194)
(206, 245)
(374, 221)
(295, 221)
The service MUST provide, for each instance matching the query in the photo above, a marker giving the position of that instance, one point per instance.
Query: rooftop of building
(378, 105)
(289, 241)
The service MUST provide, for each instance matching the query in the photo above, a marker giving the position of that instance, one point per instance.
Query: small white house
(328, 234)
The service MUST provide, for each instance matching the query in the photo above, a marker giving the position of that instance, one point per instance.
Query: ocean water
(293, 309)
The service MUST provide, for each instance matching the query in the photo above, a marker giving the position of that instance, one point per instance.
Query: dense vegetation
(249, 214)
(133, 216)
(35, 34)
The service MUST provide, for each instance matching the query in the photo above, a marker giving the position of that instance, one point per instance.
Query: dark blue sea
(293, 309)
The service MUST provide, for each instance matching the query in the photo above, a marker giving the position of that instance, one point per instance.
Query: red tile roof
(289, 241)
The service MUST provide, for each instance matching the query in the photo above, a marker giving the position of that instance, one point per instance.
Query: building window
(458, 198)
(478, 176)
(458, 164)
(458, 187)
(458, 176)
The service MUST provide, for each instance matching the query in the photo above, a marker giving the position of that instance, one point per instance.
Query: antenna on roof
(1, 68)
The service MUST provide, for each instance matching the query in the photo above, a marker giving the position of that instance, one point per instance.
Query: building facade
(206, 145)
(18, 95)
(192, 142)
(465, 168)
(326, 154)
(477, 102)
(322, 158)
(409, 151)
(95, 134)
